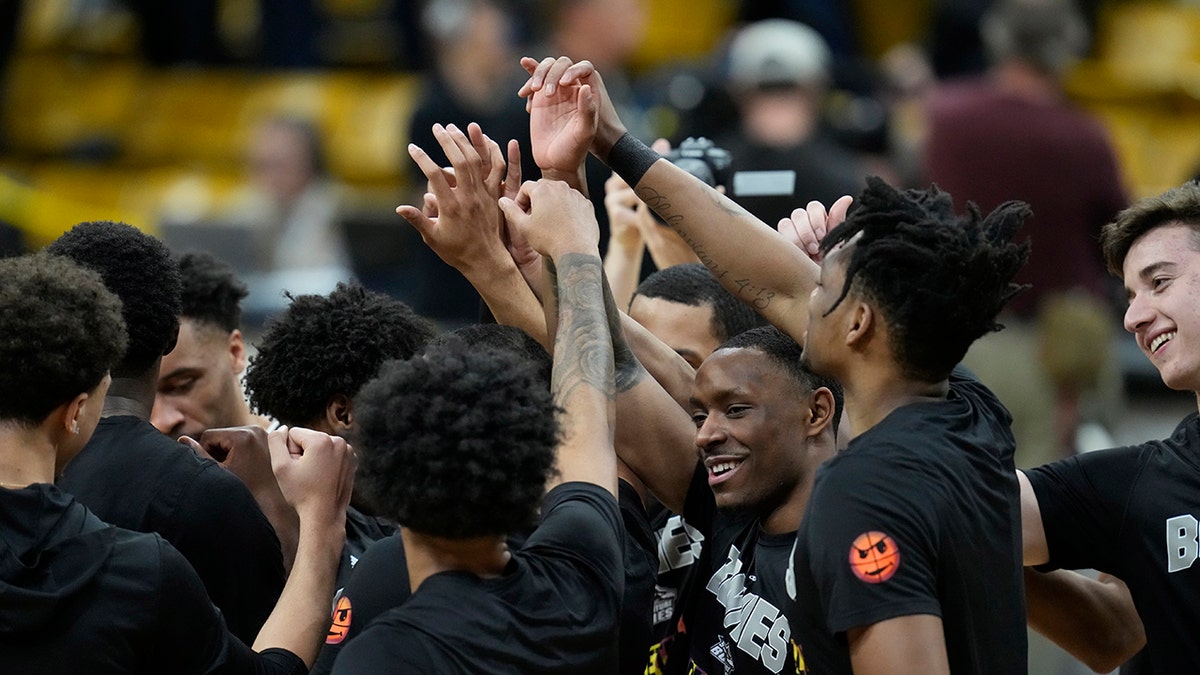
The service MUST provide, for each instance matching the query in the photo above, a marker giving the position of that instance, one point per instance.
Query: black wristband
(631, 159)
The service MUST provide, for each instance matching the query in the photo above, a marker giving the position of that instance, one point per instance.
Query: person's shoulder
(589, 494)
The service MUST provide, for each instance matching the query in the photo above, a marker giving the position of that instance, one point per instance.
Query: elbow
(1116, 652)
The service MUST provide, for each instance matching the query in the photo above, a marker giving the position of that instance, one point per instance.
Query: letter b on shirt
(1182, 544)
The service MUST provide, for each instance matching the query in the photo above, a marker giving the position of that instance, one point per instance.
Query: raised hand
(553, 218)
(562, 116)
(459, 218)
(808, 226)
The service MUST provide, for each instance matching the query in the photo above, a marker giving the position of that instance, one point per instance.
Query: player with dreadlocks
(909, 557)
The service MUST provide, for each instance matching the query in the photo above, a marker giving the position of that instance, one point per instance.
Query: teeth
(1161, 340)
(723, 467)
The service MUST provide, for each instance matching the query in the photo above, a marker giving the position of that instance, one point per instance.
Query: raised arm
(467, 228)
(747, 256)
(316, 475)
(560, 224)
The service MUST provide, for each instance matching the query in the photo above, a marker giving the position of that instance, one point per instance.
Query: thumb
(512, 212)
(196, 447)
(415, 217)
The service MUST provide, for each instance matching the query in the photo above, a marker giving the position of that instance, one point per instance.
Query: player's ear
(339, 414)
(820, 410)
(237, 351)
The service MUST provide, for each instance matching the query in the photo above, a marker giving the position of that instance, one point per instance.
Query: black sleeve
(386, 652)
(378, 582)
(192, 635)
(232, 546)
(1082, 501)
(873, 544)
(582, 521)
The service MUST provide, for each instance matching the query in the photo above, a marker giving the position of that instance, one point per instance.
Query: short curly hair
(60, 332)
(787, 354)
(326, 345)
(458, 442)
(501, 336)
(139, 270)
(1178, 205)
(212, 292)
(693, 285)
(939, 279)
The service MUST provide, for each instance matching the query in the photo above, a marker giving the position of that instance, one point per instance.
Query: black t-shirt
(920, 514)
(641, 563)
(132, 476)
(80, 596)
(1132, 512)
(555, 610)
(736, 611)
(679, 548)
(378, 583)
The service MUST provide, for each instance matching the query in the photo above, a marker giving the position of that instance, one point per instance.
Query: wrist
(607, 135)
(630, 158)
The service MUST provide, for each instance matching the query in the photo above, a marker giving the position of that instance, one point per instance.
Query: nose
(1138, 315)
(164, 416)
(710, 434)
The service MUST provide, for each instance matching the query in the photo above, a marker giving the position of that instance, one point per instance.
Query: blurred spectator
(778, 74)
(293, 203)
(1013, 135)
(475, 78)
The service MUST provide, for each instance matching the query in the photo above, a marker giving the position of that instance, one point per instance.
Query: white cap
(778, 51)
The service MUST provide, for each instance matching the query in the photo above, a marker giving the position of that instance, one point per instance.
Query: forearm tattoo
(583, 353)
(629, 370)
(745, 289)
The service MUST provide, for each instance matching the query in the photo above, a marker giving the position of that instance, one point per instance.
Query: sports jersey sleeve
(192, 636)
(1082, 500)
(583, 522)
(378, 582)
(872, 544)
(232, 546)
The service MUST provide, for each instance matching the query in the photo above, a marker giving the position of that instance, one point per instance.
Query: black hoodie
(80, 596)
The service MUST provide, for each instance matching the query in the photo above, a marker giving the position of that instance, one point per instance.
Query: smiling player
(1133, 512)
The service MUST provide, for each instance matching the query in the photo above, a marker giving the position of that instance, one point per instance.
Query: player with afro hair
(472, 431)
(313, 359)
(139, 269)
(61, 332)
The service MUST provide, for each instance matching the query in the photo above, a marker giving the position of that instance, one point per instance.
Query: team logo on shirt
(754, 625)
(874, 557)
(341, 622)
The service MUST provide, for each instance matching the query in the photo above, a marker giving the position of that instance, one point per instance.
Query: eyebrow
(179, 372)
(1148, 272)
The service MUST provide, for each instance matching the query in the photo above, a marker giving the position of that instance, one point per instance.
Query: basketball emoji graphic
(341, 622)
(874, 557)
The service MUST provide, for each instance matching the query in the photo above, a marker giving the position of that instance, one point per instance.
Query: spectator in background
(199, 383)
(473, 80)
(778, 73)
(1013, 135)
